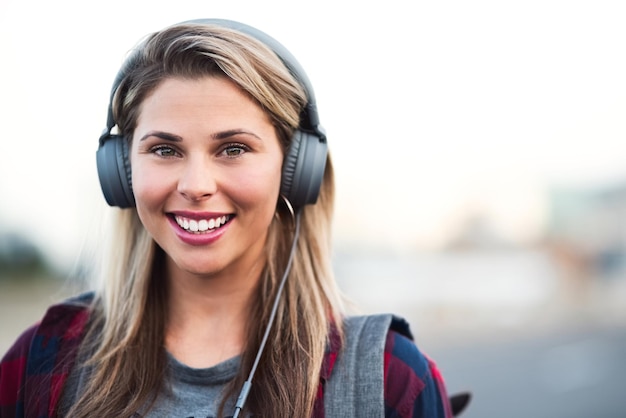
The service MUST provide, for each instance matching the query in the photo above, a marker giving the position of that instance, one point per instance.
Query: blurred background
(480, 151)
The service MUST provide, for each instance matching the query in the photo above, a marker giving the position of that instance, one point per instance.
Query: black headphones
(304, 162)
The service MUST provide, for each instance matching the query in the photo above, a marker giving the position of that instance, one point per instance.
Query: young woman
(216, 296)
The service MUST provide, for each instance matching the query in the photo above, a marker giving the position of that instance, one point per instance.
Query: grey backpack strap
(356, 385)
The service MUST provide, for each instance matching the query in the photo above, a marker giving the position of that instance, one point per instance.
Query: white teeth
(202, 225)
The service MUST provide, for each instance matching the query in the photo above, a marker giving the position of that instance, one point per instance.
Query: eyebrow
(233, 132)
(163, 135)
(217, 136)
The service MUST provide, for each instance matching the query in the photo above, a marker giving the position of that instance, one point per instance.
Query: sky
(435, 111)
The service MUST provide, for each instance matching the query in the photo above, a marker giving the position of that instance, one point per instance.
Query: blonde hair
(126, 334)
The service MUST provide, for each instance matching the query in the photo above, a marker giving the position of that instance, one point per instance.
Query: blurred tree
(20, 258)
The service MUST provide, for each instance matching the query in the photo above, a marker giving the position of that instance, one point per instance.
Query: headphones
(304, 162)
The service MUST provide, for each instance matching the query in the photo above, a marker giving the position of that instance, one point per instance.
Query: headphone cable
(245, 390)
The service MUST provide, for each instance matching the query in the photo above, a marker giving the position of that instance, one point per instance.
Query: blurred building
(587, 229)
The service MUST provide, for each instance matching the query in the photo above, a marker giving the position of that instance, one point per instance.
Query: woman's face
(206, 170)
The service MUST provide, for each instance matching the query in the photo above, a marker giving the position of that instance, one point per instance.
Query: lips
(201, 225)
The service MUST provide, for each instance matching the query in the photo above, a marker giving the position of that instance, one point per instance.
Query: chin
(193, 267)
(201, 270)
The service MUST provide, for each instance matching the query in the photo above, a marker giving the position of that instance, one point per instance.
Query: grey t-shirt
(193, 393)
(187, 392)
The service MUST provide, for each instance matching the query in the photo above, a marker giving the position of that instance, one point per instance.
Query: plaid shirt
(33, 371)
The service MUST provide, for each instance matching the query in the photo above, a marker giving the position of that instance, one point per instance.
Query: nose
(197, 180)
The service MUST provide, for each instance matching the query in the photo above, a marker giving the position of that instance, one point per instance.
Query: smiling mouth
(201, 226)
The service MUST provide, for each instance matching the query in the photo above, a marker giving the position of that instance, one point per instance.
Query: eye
(234, 150)
(164, 151)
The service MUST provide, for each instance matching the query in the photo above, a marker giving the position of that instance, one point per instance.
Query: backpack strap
(356, 386)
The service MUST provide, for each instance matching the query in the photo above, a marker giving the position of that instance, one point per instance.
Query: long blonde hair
(126, 333)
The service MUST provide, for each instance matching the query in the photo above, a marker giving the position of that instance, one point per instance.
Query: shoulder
(59, 331)
(414, 387)
(36, 351)
(67, 317)
(56, 321)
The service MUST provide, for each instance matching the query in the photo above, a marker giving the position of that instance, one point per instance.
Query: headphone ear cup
(114, 171)
(303, 169)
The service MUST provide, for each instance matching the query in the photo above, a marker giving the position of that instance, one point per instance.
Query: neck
(207, 317)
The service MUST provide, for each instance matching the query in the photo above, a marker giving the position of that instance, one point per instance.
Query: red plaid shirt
(33, 371)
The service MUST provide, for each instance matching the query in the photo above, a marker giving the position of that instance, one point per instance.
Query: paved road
(580, 373)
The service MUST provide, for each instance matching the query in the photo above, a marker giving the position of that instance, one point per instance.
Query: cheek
(150, 186)
(258, 187)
